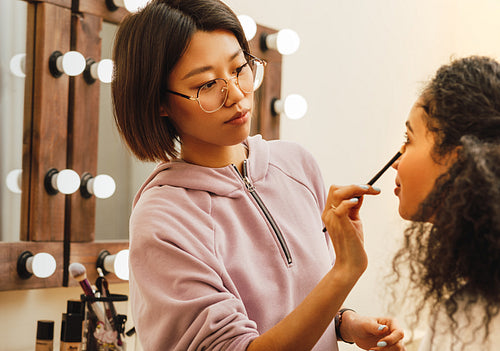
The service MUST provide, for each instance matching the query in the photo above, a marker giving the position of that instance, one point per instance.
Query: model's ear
(163, 111)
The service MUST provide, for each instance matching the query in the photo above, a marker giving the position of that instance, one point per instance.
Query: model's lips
(239, 117)
(397, 190)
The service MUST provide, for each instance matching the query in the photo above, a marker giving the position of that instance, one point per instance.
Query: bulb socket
(56, 73)
(48, 182)
(110, 4)
(84, 191)
(100, 261)
(22, 270)
(87, 75)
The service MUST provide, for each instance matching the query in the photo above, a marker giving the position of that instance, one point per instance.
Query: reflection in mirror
(13, 15)
(112, 214)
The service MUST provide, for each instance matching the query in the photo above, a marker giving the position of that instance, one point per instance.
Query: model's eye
(406, 139)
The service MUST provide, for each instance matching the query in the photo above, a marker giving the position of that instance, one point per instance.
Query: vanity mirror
(68, 124)
(12, 53)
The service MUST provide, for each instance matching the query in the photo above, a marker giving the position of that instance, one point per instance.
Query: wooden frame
(60, 131)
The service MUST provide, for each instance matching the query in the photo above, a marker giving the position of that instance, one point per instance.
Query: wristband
(338, 322)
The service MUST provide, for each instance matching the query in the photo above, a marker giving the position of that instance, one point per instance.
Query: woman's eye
(406, 138)
(209, 85)
(239, 69)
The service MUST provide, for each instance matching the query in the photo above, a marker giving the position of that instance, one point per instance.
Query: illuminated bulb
(286, 41)
(66, 181)
(102, 186)
(102, 70)
(130, 5)
(18, 65)
(249, 26)
(294, 106)
(72, 63)
(42, 265)
(117, 263)
(14, 180)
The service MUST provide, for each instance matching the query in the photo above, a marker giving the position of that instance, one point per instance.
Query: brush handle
(87, 289)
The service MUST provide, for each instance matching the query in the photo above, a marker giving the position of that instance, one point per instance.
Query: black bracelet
(338, 322)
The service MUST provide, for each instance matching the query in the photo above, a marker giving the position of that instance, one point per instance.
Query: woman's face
(417, 170)
(209, 55)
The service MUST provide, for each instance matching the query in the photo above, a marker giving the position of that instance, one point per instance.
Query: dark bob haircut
(147, 47)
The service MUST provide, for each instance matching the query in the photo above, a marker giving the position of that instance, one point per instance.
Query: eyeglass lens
(212, 95)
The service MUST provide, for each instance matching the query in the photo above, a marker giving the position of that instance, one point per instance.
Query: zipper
(251, 189)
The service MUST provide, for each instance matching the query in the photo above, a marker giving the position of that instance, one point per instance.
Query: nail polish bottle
(44, 336)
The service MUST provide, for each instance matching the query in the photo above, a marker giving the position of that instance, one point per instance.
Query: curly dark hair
(455, 260)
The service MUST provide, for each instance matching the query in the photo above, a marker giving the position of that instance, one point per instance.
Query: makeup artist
(448, 186)
(227, 250)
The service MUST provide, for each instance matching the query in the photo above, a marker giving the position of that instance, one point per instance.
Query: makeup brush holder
(103, 329)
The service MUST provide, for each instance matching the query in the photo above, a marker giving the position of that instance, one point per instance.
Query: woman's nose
(234, 93)
(395, 165)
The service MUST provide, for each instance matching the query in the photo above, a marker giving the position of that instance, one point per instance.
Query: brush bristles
(78, 271)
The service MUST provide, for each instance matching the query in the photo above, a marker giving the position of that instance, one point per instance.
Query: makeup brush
(102, 286)
(382, 171)
(79, 273)
(385, 168)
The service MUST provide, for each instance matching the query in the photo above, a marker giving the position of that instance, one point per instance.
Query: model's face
(416, 169)
(209, 55)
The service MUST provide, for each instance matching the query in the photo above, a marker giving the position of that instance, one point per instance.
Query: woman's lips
(397, 190)
(239, 118)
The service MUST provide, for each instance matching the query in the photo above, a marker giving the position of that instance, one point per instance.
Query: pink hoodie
(217, 260)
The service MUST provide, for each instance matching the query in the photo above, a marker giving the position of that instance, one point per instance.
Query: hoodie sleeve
(178, 293)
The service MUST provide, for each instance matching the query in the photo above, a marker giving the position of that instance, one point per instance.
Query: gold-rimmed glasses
(212, 95)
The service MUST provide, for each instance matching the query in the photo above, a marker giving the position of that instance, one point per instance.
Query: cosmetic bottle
(71, 327)
(44, 336)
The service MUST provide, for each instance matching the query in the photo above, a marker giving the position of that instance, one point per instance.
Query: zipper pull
(245, 178)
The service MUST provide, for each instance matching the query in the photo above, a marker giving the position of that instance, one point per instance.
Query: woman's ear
(163, 111)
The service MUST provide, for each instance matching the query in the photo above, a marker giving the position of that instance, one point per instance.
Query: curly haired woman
(448, 185)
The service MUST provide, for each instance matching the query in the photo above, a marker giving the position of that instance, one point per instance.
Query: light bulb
(18, 65)
(72, 63)
(294, 106)
(249, 26)
(286, 41)
(130, 5)
(105, 70)
(66, 181)
(102, 70)
(14, 180)
(117, 263)
(42, 265)
(102, 186)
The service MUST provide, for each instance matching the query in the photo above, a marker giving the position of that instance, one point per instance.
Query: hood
(220, 181)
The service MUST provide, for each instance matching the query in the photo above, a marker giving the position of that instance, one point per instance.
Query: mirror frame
(61, 131)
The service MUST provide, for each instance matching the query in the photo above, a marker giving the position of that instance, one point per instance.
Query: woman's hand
(370, 333)
(341, 218)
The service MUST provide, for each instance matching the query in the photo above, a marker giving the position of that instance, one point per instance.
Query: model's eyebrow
(203, 69)
(408, 125)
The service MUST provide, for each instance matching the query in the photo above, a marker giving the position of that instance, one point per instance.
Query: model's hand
(341, 218)
(370, 333)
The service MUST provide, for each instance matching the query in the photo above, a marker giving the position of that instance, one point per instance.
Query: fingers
(339, 193)
(394, 340)
(341, 199)
(399, 346)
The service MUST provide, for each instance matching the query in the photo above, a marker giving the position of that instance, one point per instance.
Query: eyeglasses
(212, 95)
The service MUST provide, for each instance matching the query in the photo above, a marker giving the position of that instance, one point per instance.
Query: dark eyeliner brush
(382, 171)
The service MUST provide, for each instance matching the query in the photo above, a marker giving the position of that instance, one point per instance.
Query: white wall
(360, 66)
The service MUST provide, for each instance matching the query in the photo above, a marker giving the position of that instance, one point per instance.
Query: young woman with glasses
(448, 186)
(227, 250)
